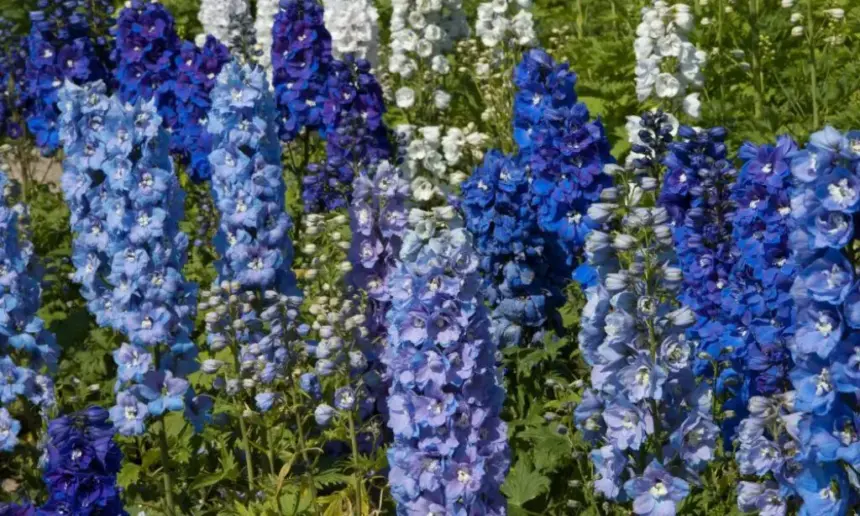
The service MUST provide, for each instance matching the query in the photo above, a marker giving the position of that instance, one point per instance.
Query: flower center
(659, 490)
(824, 326)
(822, 383)
(643, 376)
(841, 192)
(463, 476)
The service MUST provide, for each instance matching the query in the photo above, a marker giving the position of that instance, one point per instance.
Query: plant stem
(246, 447)
(357, 472)
(579, 19)
(165, 468)
(243, 428)
(756, 62)
(267, 442)
(313, 486)
(813, 73)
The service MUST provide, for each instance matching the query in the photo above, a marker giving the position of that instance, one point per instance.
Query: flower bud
(211, 366)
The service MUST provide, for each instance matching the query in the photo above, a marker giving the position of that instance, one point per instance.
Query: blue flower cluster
(253, 239)
(649, 420)
(757, 311)
(60, 47)
(301, 62)
(529, 212)
(196, 70)
(82, 464)
(696, 192)
(450, 453)
(126, 205)
(153, 63)
(825, 349)
(525, 285)
(356, 136)
(564, 150)
(378, 220)
(26, 347)
(145, 52)
(12, 77)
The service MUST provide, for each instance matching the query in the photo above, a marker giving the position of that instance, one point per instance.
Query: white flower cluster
(265, 20)
(494, 26)
(217, 18)
(434, 158)
(661, 44)
(423, 30)
(354, 28)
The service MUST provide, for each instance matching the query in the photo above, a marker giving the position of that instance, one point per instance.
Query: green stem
(270, 454)
(246, 447)
(243, 428)
(308, 464)
(579, 19)
(355, 459)
(756, 62)
(165, 468)
(813, 72)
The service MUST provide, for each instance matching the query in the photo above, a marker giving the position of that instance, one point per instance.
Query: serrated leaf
(128, 475)
(548, 446)
(524, 483)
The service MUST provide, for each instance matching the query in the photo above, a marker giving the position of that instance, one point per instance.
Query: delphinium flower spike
(301, 59)
(450, 453)
(129, 253)
(356, 136)
(421, 35)
(758, 312)
(255, 282)
(564, 150)
(501, 21)
(196, 70)
(696, 192)
(354, 28)
(82, 465)
(152, 63)
(218, 19)
(649, 421)
(60, 47)
(378, 219)
(667, 64)
(824, 349)
(529, 211)
(264, 22)
(28, 351)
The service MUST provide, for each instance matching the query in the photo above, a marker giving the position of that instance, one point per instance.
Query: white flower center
(841, 192)
(659, 490)
(824, 326)
(463, 476)
(822, 383)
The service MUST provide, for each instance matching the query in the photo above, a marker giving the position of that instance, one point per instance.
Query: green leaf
(549, 448)
(524, 483)
(206, 480)
(128, 475)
